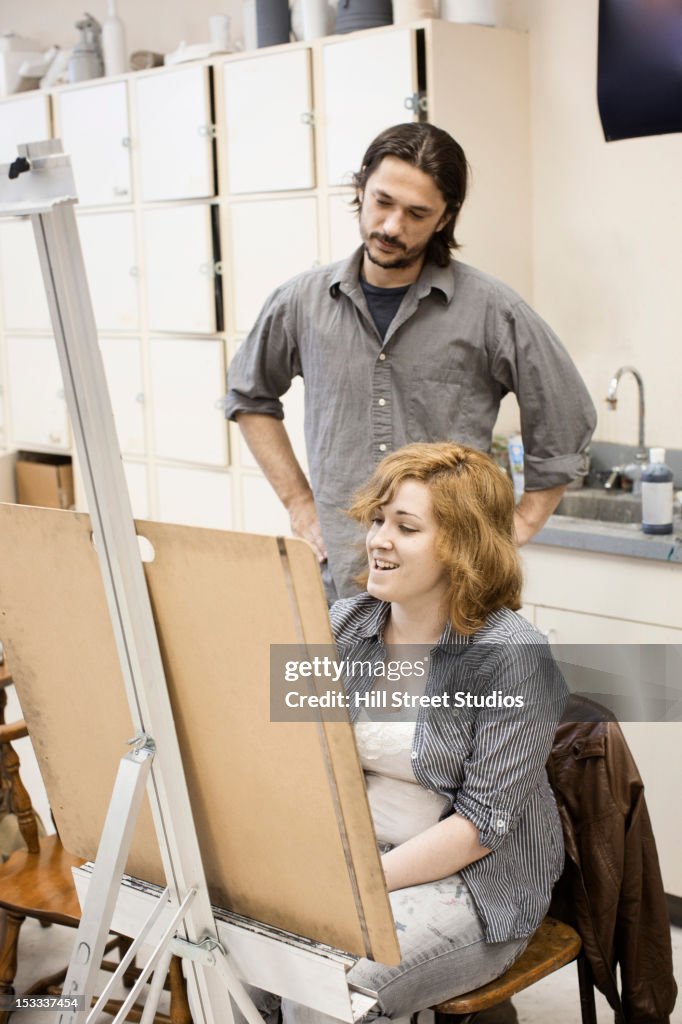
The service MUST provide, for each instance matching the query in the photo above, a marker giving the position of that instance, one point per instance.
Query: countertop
(611, 538)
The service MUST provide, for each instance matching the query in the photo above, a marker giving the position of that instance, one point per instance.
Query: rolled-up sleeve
(511, 745)
(557, 414)
(267, 361)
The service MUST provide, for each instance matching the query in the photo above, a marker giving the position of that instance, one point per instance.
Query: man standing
(402, 343)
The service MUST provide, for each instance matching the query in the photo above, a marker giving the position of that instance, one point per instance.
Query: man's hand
(533, 511)
(305, 524)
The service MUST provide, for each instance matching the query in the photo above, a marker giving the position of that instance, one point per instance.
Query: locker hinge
(418, 103)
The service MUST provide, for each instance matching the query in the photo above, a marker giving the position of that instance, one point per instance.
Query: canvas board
(263, 806)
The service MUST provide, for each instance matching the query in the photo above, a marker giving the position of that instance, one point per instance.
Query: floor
(552, 1001)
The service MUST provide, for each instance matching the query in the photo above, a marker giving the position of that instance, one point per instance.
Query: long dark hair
(437, 154)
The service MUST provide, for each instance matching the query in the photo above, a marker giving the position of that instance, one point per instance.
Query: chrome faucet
(642, 455)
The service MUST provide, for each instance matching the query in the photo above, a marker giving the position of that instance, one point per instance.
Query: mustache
(388, 240)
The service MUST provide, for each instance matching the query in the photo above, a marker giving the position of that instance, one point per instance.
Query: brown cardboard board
(46, 481)
(263, 807)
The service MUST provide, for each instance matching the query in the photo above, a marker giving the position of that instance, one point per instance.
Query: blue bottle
(657, 494)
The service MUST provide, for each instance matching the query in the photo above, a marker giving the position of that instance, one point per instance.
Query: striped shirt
(486, 757)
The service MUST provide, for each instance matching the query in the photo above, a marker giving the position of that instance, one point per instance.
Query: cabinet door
(138, 489)
(25, 119)
(187, 384)
(194, 497)
(36, 394)
(24, 306)
(262, 511)
(108, 241)
(344, 234)
(271, 241)
(122, 366)
(92, 122)
(179, 270)
(269, 135)
(354, 111)
(175, 134)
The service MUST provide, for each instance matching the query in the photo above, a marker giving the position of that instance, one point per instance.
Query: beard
(404, 257)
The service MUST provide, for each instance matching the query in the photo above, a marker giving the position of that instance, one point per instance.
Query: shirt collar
(373, 619)
(346, 278)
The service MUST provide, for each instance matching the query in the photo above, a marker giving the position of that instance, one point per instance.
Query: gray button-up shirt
(489, 761)
(460, 341)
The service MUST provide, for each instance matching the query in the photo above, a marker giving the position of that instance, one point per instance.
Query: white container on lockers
(476, 12)
(114, 45)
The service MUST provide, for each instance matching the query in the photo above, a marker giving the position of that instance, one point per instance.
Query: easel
(42, 187)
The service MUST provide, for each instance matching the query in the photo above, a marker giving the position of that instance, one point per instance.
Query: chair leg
(8, 957)
(179, 1004)
(588, 1010)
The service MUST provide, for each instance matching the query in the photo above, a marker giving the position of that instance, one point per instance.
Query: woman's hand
(441, 850)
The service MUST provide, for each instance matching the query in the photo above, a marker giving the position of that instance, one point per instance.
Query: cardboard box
(45, 480)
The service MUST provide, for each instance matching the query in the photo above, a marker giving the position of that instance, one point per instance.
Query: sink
(603, 506)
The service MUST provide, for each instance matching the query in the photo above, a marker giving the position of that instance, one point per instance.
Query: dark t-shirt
(383, 303)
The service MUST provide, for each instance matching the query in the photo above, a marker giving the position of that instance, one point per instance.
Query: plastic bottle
(516, 464)
(114, 45)
(657, 494)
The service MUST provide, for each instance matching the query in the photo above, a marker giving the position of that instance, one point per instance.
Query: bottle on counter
(657, 494)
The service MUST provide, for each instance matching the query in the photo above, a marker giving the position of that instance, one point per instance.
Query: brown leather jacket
(611, 889)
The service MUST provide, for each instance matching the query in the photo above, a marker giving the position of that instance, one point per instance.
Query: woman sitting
(470, 836)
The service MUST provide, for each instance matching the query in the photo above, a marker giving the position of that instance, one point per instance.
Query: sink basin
(603, 506)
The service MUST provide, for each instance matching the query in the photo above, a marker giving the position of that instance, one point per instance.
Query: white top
(401, 807)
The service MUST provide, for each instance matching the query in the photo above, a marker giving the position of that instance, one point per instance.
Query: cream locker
(36, 394)
(366, 81)
(268, 104)
(123, 369)
(92, 122)
(272, 240)
(187, 387)
(262, 510)
(138, 488)
(108, 242)
(179, 269)
(194, 497)
(23, 119)
(344, 234)
(24, 305)
(175, 134)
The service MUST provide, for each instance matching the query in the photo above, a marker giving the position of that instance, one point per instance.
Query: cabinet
(175, 134)
(110, 254)
(258, 228)
(36, 399)
(23, 119)
(92, 122)
(188, 422)
(601, 606)
(180, 269)
(24, 306)
(366, 81)
(268, 122)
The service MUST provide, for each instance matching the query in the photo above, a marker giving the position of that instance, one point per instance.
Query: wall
(607, 229)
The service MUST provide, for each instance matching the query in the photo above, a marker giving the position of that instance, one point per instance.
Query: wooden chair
(552, 946)
(37, 882)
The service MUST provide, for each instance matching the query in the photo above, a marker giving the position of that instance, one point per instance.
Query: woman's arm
(441, 850)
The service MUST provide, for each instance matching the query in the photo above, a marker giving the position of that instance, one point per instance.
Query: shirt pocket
(437, 408)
